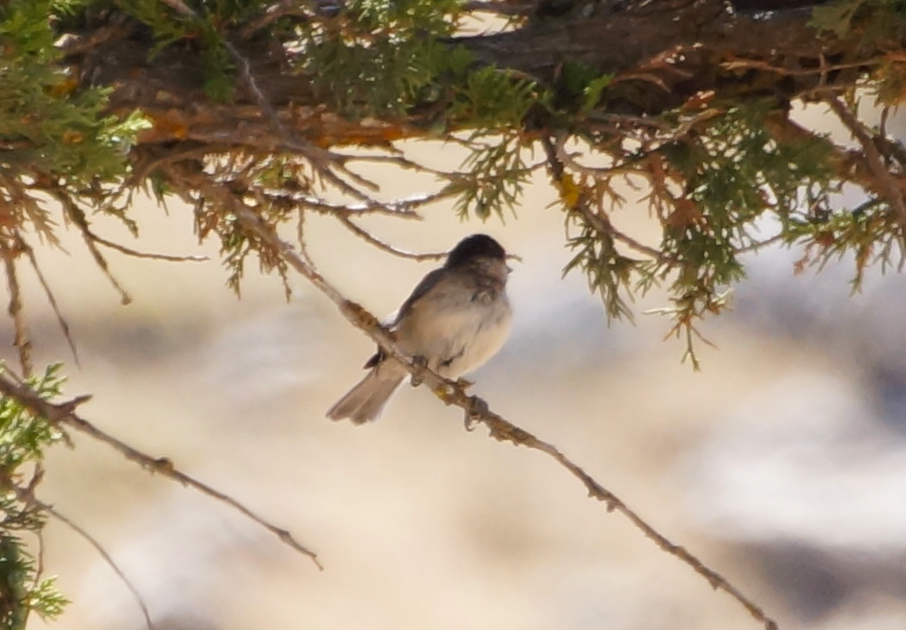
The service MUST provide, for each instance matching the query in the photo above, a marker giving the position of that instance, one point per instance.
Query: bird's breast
(456, 336)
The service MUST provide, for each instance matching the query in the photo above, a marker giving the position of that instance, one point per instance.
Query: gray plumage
(456, 319)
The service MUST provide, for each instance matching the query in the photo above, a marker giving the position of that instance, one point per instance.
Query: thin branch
(476, 410)
(822, 69)
(21, 340)
(598, 221)
(300, 235)
(64, 414)
(402, 208)
(387, 247)
(398, 160)
(77, 216)
(37, 476)
(759, 245)
(61, 321)
(891, 189)
(137, 254)
(101, 551)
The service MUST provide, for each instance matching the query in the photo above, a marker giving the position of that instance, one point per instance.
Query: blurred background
(782, 464)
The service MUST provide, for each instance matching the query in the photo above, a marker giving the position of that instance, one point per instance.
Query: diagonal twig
(322, 160)
(382, 245)
(134, 253)
(77, 216)
(46, 507)
(64, 414)
(51, 298)
(598, 221)
(892, 190)
(21, 339)
(477, 410)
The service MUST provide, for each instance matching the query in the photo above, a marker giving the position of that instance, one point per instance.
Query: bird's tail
(366, 400)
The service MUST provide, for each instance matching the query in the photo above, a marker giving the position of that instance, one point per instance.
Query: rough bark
(662, 54)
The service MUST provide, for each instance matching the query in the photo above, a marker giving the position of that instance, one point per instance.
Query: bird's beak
(513, 257)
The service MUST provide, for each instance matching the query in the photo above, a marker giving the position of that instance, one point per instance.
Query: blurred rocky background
(782, 464)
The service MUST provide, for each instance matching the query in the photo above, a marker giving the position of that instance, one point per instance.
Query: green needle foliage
(24, 438)
(49, 127)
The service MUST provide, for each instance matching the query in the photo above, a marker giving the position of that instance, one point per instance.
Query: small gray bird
(456, 319)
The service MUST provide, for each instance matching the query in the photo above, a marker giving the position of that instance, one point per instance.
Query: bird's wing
(421, 288)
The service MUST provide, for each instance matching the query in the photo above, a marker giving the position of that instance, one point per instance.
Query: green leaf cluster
(379, 57)
(48, 128)
(873, 19)
(579, 88)
(873, 22)
(24, 437)
(869, 234)
(720, 186)
(610, 273)
(492, 178)
(487, 100)
(203, 32)
(734, 175)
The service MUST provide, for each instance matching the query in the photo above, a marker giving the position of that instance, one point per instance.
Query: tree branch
(476, 410)
(46, 507)
(890, 189)
(64, 414)
(14, 308)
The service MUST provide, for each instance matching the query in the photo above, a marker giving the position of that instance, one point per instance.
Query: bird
(454, 321)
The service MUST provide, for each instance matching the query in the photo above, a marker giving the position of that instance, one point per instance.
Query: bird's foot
(420, 363)
(475, 412)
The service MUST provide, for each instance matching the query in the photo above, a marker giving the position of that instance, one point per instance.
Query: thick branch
(662, 53)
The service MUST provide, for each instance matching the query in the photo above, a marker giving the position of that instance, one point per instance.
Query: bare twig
(61, 321)
(99, 548)
(477, 410)
(822, 69)
(21, 340)
(387, 247)
(598, 221)
(64, 414)
(300, 235)
(759, 245)
(101, 262)
(401, 208)
(77, 216)
(137, 254)
(37, 476)
(322, 160)
(396, 159)
(891, 189)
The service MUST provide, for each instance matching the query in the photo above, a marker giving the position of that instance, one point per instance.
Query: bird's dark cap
(475, 246)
